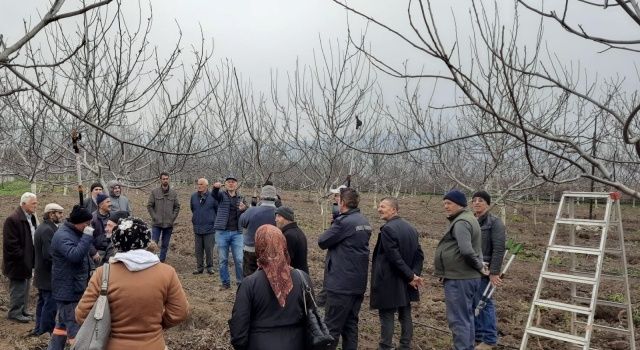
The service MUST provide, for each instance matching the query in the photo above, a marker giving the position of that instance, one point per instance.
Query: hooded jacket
(118, 203)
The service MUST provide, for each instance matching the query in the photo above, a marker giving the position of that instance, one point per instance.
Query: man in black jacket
(395, 274)
(346, 267)
(493, 250)
(296, 239)
(46, 307)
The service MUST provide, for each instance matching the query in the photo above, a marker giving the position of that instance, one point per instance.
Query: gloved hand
(88, 230)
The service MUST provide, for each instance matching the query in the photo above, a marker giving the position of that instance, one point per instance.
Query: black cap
(286, 213)
(79, 215)
(484, 195)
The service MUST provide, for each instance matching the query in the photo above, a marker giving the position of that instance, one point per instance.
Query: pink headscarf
(273, 258)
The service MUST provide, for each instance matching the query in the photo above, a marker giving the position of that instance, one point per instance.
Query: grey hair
(26, 197)
(393, 202)
(206, 182)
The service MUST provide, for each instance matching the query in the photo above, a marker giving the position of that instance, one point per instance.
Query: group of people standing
(65, 258)
(270, 258)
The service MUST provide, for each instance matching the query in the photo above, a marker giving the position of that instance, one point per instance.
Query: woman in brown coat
(145, 296)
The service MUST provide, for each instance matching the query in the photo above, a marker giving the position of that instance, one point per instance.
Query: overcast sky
(260, 35)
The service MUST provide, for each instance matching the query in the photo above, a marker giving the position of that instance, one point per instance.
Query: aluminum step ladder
(582, 305)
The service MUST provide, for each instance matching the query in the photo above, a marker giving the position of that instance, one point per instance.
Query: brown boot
(483, 346)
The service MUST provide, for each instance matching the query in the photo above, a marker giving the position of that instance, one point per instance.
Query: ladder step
(569, 278)
(601, 302)
(602, 275)
(583, 222)
(585, 310)
(569, 338)
(586, 194)
(574, 249)
(622, 331)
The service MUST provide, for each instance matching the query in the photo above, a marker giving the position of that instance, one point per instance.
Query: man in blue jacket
(228, 235)
(70, 272)
(346, 267)
(203, 208)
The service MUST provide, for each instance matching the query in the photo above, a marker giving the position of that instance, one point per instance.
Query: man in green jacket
(163, 207)
(458, 262)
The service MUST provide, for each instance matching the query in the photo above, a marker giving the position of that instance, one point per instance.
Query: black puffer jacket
(347, 263)
(71, 264)
(493, 241)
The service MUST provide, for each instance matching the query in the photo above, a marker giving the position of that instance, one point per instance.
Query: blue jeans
(156, 232)
(226, 240)
(460, 300)
(45, 312)
(486, 325)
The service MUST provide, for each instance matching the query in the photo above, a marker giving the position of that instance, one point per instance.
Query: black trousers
(249, 263)
(341, 317)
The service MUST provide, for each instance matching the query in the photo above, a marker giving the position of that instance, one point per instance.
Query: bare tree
(525, 93)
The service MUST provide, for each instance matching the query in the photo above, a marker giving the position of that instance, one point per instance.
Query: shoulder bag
(96, 329)
(318, 335)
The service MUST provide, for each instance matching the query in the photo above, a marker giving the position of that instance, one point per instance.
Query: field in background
(210, 309)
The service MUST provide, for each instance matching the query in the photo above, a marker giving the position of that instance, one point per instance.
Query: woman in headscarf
(269, 308)
(145, 296)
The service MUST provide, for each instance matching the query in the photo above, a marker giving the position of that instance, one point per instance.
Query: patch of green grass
(633, 272)
(616, 297)
(14, 188)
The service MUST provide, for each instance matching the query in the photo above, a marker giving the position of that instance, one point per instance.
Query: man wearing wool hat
(250, 220)
(458, 263)
(70, 272)
(296, 239)
(493, 250)
(101, 242)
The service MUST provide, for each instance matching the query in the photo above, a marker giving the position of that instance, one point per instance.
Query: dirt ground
(210, 309)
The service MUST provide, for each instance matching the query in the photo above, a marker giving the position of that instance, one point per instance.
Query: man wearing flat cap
(228, 235)
(70, 272)
(46, 307)
(458, 262)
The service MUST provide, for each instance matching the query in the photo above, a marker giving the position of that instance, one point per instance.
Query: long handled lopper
(513, 248)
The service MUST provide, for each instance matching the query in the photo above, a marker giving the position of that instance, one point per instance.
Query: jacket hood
(137, 259)
(111, 184)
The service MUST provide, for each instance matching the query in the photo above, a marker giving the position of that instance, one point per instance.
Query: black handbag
(318, 335)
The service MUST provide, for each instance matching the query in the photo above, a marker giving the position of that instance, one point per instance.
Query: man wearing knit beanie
(458, 263)
(70, 272)
(493, 250)
(296, 239)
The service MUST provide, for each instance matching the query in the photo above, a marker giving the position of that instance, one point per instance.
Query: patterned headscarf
(273, 258)
(131, 233)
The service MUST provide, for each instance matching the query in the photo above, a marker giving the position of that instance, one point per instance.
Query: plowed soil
(210, 309)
